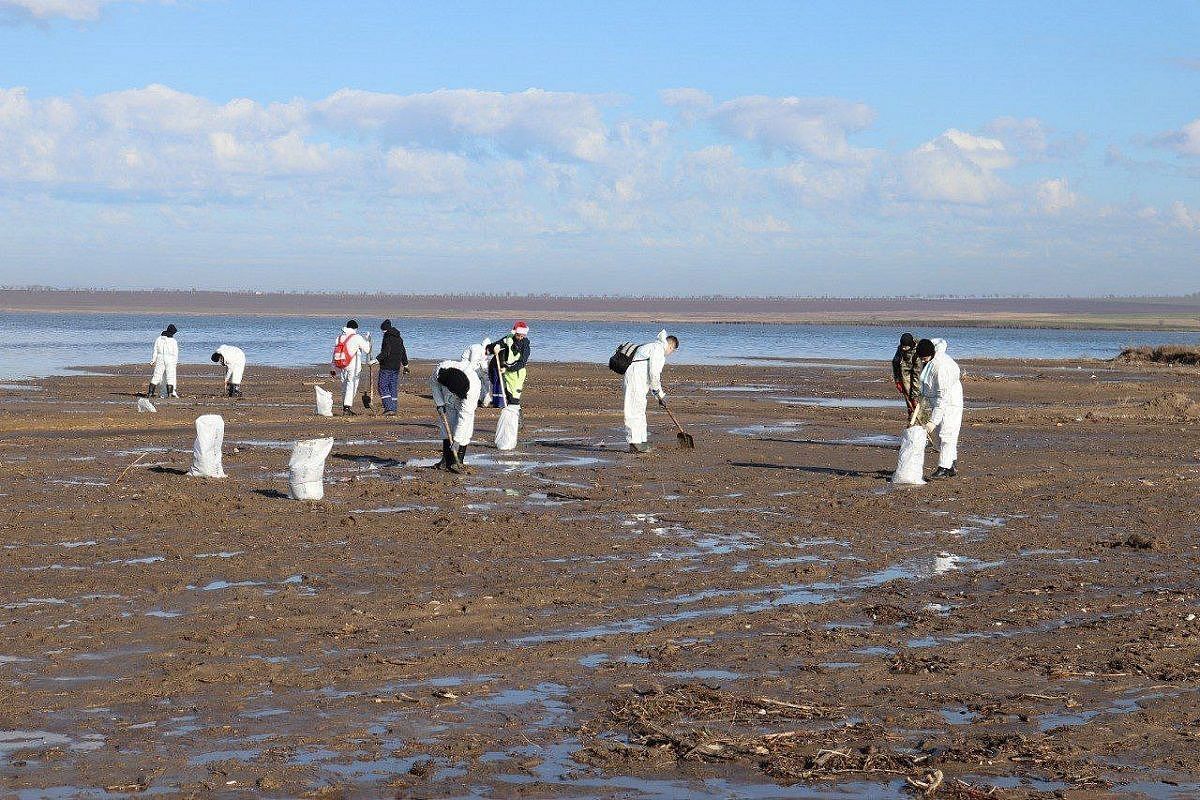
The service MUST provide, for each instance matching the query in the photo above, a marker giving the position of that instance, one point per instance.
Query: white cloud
(561, 123)
(426, 172)
(77, 10)
(814, 127)
(1032, 140)
(1055, 195)
(956, 167)
(1184, 217)
(1185, 141)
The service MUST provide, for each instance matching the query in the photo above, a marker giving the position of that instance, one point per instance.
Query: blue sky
(772, 148)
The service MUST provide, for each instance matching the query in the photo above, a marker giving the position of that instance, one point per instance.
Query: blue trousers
(389, 380)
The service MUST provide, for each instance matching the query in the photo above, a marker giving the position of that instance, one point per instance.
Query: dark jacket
(906, 371)
(520, 348)
(392, 354)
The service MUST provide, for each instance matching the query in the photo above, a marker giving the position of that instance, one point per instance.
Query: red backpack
(341, 353)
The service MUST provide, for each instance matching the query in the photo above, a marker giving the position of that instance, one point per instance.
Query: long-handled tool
(368, 397)
(503, 396)
(450, 436)
(685, 439)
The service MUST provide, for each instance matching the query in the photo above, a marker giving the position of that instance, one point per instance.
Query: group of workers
(927, 378)
(931, 384)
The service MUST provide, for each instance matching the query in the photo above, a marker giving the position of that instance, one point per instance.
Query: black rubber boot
(447, 455)
(347, 411)
(171, 390)
(235, 390)
(152, 392)
(459, 465)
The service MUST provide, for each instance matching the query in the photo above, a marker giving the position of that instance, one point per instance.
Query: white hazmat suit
(941, 387)
(460, 411)
(644, 375)
(235, 363)
(348, 375)
(165, 360)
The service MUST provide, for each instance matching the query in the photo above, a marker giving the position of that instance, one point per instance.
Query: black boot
(152, 392)
(235, 390)
(347, 411)
(459, 465)
(447, 455)
(171, 390)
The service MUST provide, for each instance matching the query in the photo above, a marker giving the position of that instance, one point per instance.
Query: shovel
(368, 397)
(449, 435)
(685, 439)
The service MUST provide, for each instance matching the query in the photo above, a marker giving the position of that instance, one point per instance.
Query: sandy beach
(764, 616)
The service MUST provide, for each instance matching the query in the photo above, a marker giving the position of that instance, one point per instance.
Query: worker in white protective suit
(234, 361)
(645, 375)
(165, 360)
(456, 387)
(941, 388)
(348, 352)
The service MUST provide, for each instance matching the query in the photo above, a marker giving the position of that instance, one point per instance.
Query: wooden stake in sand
(131, 466)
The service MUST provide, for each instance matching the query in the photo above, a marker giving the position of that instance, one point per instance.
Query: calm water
(44, 344)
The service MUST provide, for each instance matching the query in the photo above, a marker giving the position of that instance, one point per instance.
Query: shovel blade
(686, 441)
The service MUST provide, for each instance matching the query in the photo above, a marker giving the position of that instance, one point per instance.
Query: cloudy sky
(796, 148)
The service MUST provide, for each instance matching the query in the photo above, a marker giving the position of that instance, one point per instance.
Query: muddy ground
(761, 617)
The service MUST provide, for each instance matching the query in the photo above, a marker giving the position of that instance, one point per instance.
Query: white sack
(507, 426)
(306, 469)
(206, 452)
(912, 457)
(324, 402)
(146, 405)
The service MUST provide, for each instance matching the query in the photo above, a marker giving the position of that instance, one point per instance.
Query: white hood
(939, 346)
(662, 336)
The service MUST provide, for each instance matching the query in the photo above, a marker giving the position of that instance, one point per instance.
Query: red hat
(521, 326)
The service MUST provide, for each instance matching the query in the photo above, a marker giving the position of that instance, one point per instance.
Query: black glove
(406, 369)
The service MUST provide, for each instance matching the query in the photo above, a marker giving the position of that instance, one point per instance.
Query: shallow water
(301, 341)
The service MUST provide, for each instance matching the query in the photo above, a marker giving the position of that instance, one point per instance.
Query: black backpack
(623, 358)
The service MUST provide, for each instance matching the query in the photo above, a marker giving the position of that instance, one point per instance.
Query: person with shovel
(391, 359)
(455, 386)
(643, 376)
(509, 356)
(165, 360)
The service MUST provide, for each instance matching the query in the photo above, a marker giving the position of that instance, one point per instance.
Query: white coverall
(644, 375)
(460, 412)
(358, 346)
(941, 387)
(235, 363)
(165, 359)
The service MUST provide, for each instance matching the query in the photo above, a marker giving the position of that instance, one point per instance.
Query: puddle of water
(707, 675)
(144, 560)
(750, 388)
(393, 509)
(222, 554)
(88, 543)
(545, 694)
(25, 740)
(164, 614)
(509, 463)
(223, 755)
(842, 402)
(959, 715)
(761, 429)
(870, 439)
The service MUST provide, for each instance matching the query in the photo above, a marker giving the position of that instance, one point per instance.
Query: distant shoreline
(1134, 314)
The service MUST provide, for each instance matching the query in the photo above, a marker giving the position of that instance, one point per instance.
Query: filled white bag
(306, 469)
(324, 402)
(206, 451)
(507, 427)
(912, 457)
(146, 405)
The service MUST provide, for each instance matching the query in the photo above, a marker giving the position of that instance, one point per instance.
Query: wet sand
(764, 616)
